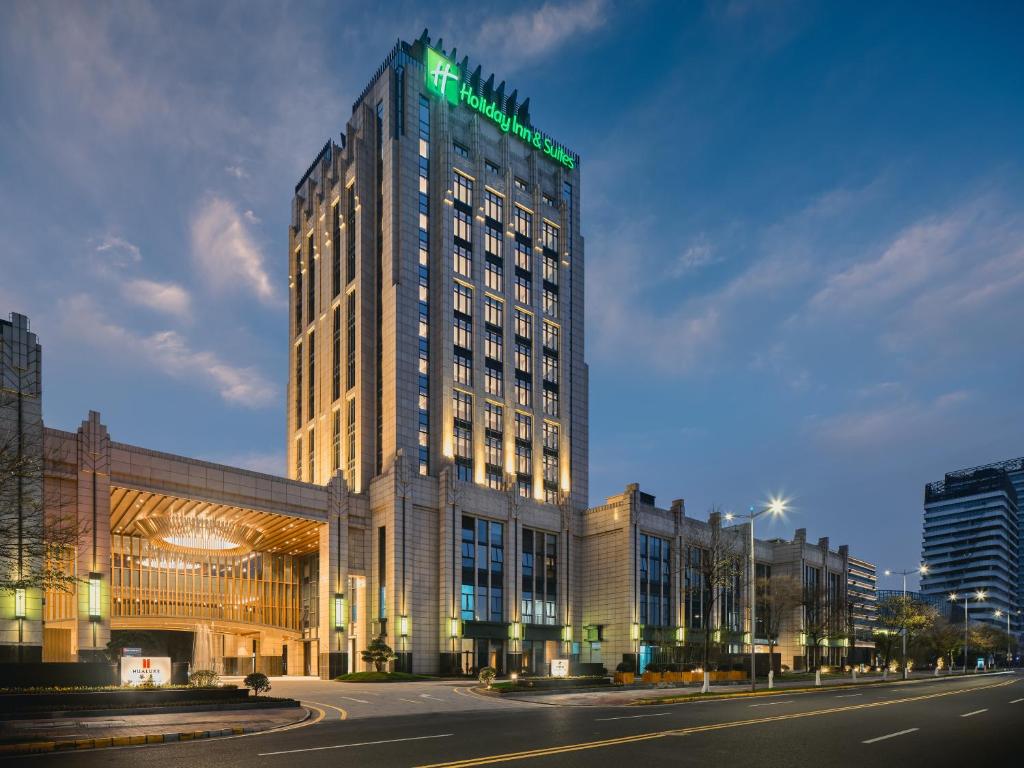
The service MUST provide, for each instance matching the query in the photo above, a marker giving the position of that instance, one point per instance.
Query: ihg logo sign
(443, 77)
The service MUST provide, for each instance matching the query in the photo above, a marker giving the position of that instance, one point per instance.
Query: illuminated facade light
(634, 632)
(567, 633)
(515, 630)
(403, 626)
(454, 628)
(94, 596)
(680, 634)
(339, 612)
(19, 603)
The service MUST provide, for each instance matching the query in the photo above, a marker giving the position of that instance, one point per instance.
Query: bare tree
(38, 536)
(779, 597)
(718, 565)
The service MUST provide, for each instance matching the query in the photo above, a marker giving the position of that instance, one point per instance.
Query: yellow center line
(303, 724)
(343, 715)
(545, 752)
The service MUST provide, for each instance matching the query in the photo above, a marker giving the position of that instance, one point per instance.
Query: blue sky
(804, 225)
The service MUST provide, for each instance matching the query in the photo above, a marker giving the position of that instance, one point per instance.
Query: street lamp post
(776, 507)
(1008, 636)
(980, 597)
(922, 569)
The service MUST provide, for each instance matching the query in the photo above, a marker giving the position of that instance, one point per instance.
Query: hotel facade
(436, 424)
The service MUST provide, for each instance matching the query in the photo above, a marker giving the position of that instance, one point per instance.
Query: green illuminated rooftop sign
(444, 80)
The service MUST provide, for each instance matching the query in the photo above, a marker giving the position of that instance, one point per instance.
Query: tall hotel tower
(437, 368)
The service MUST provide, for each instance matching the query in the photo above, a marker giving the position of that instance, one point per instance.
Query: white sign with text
(143, 670)
(559, 667)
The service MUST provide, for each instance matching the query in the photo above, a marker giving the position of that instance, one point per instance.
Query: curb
(71, 745)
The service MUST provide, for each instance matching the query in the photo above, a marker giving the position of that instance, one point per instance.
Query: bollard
(936, 671)
(771, 679)
(817, 678)
(855, 674)
(885, 674)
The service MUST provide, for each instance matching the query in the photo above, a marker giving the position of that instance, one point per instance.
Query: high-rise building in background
(972, 527)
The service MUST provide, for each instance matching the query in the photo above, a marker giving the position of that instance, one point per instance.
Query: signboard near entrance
(131, 651)
(143, 670)
(559, 667)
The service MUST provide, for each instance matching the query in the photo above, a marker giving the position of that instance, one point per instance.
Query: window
(696, 590)
(298, 290)
(549, 200)
(494, 276)
(311, 374)
(483, 570)
(298, 385)
(523, 289)
(311, 283)
(350, 335)
(550, 371)
(550, 461)
(550, 437)
(459, 149)
(494, 311)
(492, 167)
(655, 581)
(493, 345)
(549, 236)
(523, 324)
(462, 332)
(350, 234)
(524, 458)
(494, 206)
(335, 250)
(462, 408)
(298, 458)
(463, 298)
(523, 355)
(463, 369)
(524, 392)
(539, 577)
(335, 440)
(524, 260)
(336, 355)
(463, 262)
(550, 302)
(523, 221)
(493, 451)
(522, 185)
(494, 379)
(550, 339)
(492, 241)
(311, 469)
(463, 226)
(494, 417)
(550, 273)
(524, 427)
(550, 402)
(350, 436)
(463, 189)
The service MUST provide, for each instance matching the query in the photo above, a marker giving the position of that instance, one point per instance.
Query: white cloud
(225, 251)
(250, 216)
(698, 255)
(508, 41)
(904, 420)
(169, 298)
(237, 171)
(169, 352)
(118, 252)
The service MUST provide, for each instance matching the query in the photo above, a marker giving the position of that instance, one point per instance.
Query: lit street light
(999, 614)
(980, 596)
(776, 506)
(922, 569)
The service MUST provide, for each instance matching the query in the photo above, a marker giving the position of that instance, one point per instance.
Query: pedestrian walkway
(50, 734)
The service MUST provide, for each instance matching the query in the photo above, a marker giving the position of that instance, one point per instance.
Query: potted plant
(625, 673)
(652, 674)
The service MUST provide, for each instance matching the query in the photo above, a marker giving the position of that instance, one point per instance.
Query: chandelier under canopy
(192, 535)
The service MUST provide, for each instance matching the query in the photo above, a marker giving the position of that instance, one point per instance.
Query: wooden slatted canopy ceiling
(281, 534)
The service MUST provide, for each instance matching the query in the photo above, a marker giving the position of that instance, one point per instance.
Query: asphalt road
(963, 722)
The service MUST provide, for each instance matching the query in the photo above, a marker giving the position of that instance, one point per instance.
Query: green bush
(258, 682)
(487, 675)
(204, 678)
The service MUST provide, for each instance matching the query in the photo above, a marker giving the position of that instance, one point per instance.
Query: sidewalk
(48, 735)
(621, 696)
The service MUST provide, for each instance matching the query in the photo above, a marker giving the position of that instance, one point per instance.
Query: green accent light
(444, 80)
(19, 603)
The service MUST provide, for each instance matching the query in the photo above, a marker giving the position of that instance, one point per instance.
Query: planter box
(652, 677)
(672, 677)
(98, 700)
(624, 678)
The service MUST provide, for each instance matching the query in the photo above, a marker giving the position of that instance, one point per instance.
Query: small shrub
(148, 682)
(487, 675)
(625, 666)
(204, 678)
(654, 667)
(258, 682)
(378, 653)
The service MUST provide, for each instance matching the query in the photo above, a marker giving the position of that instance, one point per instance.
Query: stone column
(334, 581)
(93, 567)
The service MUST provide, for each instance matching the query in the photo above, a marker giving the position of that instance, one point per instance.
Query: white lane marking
(349, 698)
(849, 695)
(773, 703)
(975, 712)
(357, 744)
(630, 717)
(428, 696)
(1017, 701)
(411, 701)
(890, 736)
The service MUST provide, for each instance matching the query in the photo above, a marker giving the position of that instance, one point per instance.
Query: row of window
(521, 184)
